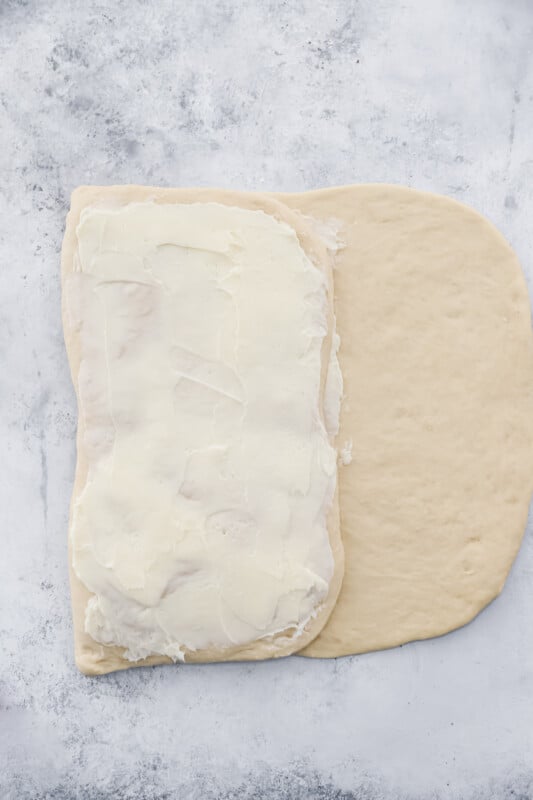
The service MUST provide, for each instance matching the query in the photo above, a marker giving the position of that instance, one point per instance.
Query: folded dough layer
(204, 520)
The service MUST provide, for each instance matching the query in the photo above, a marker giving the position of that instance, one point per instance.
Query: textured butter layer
(203, 519)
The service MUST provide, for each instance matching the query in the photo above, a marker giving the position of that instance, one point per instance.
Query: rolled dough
(437, 358)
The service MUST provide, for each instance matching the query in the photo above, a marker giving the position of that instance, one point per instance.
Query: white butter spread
(334, 389)
(202, 523)
(345, 454)
(329, 231)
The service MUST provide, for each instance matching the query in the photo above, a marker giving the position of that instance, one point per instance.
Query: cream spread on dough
(203, 519)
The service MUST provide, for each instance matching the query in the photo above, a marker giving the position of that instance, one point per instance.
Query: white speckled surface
(287, 96)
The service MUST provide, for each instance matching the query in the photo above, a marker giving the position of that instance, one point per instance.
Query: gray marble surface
(274, 94)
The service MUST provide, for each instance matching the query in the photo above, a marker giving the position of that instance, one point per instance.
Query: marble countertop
(281, 95)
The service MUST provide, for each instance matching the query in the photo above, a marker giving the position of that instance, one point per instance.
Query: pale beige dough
(95, 658)
(436, 353)
(437, 359)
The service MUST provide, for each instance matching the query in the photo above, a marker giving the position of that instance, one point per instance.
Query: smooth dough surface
(436, 353)
(81, 334)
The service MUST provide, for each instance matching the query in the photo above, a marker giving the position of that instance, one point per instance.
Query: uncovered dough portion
(436, 354)
(204, 522)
